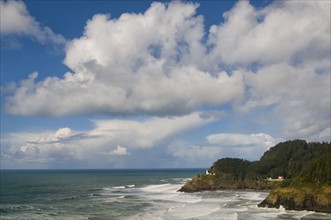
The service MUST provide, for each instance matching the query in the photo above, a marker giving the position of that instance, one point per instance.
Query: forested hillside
(311, 190)
(316, 172)
(306, 168)
(287, 159)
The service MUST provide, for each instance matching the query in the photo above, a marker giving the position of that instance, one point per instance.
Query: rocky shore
(303, 198)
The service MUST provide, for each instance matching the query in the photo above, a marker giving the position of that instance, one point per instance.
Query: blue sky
(143, 84)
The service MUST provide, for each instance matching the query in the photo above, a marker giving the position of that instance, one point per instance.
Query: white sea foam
(170, 204)
(183, 209)
(252, 196)
(182, 180)
(302, 214)
(165, 202)
(158, 188)
(168, 192)
(118, 187)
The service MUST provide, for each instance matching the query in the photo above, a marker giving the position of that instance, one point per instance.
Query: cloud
(162, 63)
(186, 154)
(247, 146)
(119, 151)
(300, 96)
(114, 73)
(146, 134)
(241, 140)
(183, 91)
(99, 142)
(16, 20)
(251, 35)
(291, 63)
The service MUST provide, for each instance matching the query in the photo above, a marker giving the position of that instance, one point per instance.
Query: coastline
(303, 183)
(144, 195)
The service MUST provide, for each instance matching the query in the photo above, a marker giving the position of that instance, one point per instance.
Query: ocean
(126, 194)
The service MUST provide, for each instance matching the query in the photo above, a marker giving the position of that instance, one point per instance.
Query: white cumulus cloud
(137, 64)
(283, 31)
(162, 62)
(15, 19)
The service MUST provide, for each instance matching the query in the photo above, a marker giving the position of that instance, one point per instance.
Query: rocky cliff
(311, 190)
(300, 198)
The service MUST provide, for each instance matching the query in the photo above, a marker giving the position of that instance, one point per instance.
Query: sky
(169, 84)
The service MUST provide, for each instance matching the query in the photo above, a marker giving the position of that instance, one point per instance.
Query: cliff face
(199, 183)
(302, 198)
(311, 190)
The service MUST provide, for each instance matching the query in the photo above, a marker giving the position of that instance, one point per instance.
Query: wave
(163, 201)
(95, 194)
(167, 203)
(118, 187)
(7, 207)
(158, 187)
(182, 180)
(255, 196)
(168, 193)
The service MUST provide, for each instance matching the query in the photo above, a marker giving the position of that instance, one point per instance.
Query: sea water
(126, 194)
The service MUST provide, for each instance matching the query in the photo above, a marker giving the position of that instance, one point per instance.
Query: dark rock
(302, 198)
(199, 183)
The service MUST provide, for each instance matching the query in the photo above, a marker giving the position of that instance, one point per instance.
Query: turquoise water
(126, 194)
